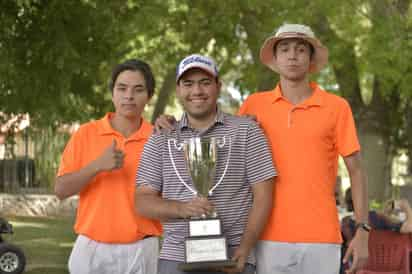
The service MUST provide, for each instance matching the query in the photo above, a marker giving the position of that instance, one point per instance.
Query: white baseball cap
(196, 61)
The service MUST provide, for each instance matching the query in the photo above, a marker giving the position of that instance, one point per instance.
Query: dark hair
(134, 65)
(311, 48)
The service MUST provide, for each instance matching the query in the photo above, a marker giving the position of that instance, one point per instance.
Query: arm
(72, 183)
(359, 186)
(258, 216)
(358, 247)
(150, 204)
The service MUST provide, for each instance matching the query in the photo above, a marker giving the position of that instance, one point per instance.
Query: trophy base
(206, 266)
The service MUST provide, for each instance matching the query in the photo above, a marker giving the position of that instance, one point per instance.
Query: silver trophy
(206, 246)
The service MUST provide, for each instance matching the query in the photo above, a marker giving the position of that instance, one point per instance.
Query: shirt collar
(106, 128)
(184, 121)
(316, 99)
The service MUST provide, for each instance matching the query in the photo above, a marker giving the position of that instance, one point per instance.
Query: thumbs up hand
(111, 158)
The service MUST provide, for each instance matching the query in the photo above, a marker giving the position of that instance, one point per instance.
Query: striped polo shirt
(250, 162)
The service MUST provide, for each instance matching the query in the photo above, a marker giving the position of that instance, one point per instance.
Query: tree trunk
(164, 94)
(266, 79)
(408, 135)
(377, 162)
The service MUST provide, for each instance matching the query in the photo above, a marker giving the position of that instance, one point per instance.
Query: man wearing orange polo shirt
(99, 163)
(308, 128)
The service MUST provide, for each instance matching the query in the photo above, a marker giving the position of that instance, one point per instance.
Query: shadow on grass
(46, 242)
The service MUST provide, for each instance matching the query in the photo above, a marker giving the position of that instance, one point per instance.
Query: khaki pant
(297, 258)
(91, 257)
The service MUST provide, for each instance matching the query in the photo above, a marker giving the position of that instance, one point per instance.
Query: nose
(129, 94)
(197, 88)
(292, 54)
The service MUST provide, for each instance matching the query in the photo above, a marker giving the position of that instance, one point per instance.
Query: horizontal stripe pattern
(250, 162)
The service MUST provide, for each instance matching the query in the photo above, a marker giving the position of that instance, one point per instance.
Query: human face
(198, 92)
(293, 58)
(130, 94)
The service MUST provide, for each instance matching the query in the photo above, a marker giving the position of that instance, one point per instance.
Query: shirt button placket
(290, 118)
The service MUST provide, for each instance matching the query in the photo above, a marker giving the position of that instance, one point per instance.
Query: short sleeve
(346, 137)
(70, 161)
(151, 164)
(259, 163)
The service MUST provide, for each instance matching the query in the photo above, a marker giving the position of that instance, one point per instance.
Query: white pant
(91, 257)
(297, 258)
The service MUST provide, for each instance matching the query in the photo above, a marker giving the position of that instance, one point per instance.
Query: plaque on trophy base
(206, 247)
(206, 253)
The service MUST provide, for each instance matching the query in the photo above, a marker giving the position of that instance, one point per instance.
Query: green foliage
(375, 205)
(52, 52)
(48, 147)
(46, 242)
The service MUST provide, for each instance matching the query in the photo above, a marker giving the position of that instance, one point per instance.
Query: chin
(199, 115)
(295, 77)
(129, 115)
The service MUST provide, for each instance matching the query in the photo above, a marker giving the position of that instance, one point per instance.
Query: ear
(177, 89)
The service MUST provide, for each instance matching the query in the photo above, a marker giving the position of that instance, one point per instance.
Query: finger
(347, 254)
(241, 261)
(354, 265)
(167, 122)
(119, 164)
(119, 154)
(156, 130)
(253, 117)
(351, 270)
(230, 269)
(171, 119)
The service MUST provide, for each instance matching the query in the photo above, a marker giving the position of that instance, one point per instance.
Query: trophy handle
(179, 148)
(221, 144)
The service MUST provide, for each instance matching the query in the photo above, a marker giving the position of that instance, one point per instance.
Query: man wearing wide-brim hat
(308, 129)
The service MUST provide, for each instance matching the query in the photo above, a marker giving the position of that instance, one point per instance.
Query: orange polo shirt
(106, 210)
(306, 140)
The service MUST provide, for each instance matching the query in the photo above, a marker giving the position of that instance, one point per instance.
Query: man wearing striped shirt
(242, 200)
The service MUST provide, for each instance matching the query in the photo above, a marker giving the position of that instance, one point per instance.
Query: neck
(126, 126)
(295, 91)
(202, 123)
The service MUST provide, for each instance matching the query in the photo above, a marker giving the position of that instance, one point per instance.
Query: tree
(57, 55)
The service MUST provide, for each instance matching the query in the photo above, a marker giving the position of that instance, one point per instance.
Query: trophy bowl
(200, 158)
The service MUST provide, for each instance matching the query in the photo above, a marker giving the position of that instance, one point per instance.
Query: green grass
(46, 242)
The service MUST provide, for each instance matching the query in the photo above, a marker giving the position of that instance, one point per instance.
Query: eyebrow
(125, 85)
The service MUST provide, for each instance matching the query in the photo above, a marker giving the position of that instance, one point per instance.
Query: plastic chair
(388, 253)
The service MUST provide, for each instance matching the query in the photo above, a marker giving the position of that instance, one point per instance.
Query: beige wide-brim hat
(320, 55)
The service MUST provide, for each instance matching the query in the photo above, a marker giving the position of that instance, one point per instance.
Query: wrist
(179, 209)
(362, 226)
